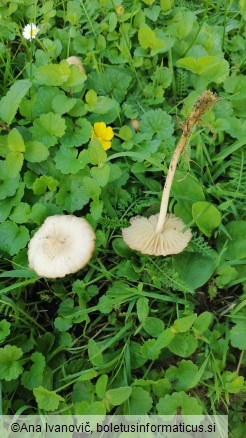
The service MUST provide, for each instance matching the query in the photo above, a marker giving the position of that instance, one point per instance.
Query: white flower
(63, 245)
(30, 31)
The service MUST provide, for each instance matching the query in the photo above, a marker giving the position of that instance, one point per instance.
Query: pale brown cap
(74, 60)
(141, 235)
(63, 245)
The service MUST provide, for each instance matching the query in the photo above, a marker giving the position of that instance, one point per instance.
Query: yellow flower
(103, 134)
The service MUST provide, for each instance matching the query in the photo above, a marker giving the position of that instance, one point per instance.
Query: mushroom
(135, 124)
(162, 233)
(74, 60)
(63, 245)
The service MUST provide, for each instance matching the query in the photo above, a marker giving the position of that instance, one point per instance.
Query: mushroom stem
(205, 101)
(168, 183)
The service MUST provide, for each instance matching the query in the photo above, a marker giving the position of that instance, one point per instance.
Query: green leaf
(101, 386)
(12, 237)
(178, 403)
(15, 141)
(41, 102)
(74, 12)
(193, 268)
(66, 160)
(7, 204)
(152, 13)
(14, 163)
(47, 10)
(125, 133)
(35, 152)
(10, 103)
(235, 84)
(187, 187)
(139, 403)
(182, 209)
(47, 400)
(161, 387)
(203, 321)
(75, 80)
(121, 248)
(158, 123)
(82, 44)
(198, 375)
(47, 128)
(10, 368)
(8, 186)
(87, 375)
(62, 104)
(182, 375)
(20, 213)
(91, 97)
(137, 360)
(232, 382)
(166, 5)
(142, 308)
(53, 74)
(34, 377)
(151, 349)
(103, 105)
(95, 353)
(62, 324)
(126, 270)
(97, 154)
(83, 391)
(40, 212)
(238, 335)
(118, 396)
(206, 216)
(153, 326)
(236, 244)
(226, 275)
(4, 329)
(183, 345)
(184, 324)
(101, 174)
(114, 82)
(213, 68)
(115, 172)
(96, 208)
(77, 134)
(43, 183)
(148, 40)
(95, 408)
(91, 188)
(72, 195)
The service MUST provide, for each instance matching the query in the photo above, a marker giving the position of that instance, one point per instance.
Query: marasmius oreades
(63, 245)
(163, 234)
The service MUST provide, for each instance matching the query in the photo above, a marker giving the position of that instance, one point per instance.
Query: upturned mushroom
(63, 245)
(163, 234)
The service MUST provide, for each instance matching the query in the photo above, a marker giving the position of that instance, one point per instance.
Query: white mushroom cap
(63, 245)
(142, 236)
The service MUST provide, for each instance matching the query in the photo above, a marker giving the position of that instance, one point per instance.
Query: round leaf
(206, 216)
(193, 268)
(36, 152)
(118, 396)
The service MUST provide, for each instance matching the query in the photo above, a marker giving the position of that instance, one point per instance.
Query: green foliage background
(130, 333)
